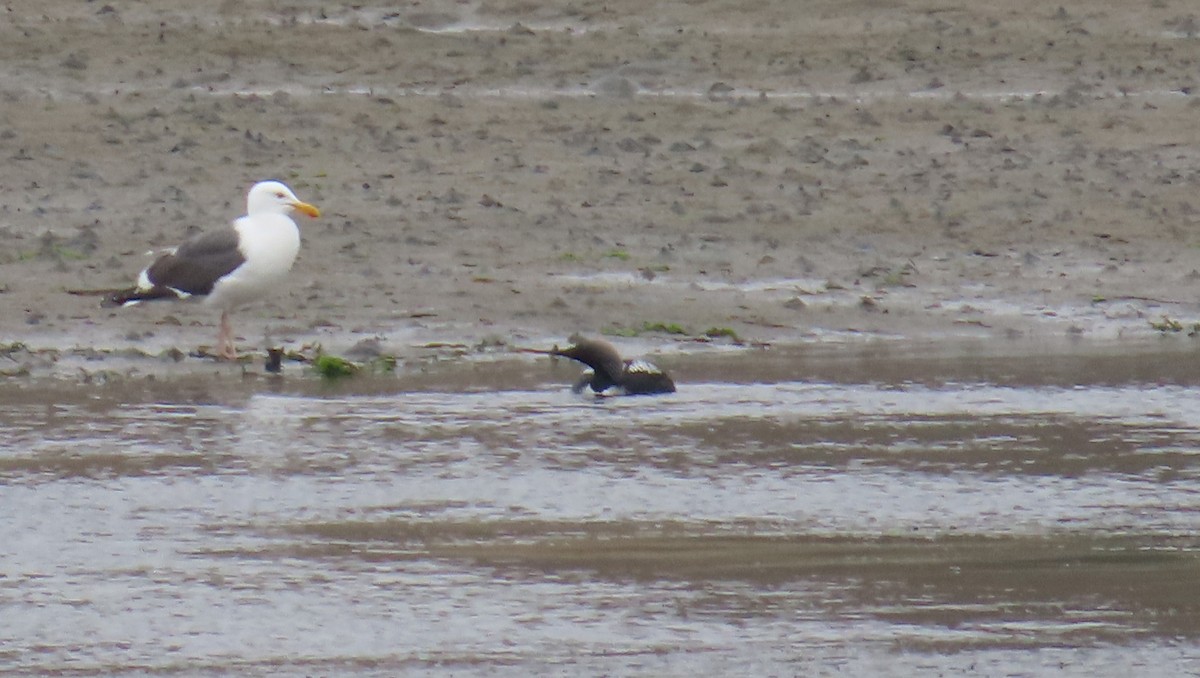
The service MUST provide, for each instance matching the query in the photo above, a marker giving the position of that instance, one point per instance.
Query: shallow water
(841, 510)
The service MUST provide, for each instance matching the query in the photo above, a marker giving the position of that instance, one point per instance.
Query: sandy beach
(502, 174)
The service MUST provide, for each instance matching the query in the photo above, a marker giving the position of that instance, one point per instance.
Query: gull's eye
(280, 196)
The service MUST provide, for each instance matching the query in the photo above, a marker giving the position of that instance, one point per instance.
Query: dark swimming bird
(230, 267)
(609, 371)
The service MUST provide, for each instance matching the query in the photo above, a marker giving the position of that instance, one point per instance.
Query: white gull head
(274, 197)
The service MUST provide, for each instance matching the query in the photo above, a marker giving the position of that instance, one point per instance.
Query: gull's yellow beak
(310, 210)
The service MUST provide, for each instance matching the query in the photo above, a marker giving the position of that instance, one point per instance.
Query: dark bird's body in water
(609, 371)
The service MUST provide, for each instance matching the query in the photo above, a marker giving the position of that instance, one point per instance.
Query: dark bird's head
(597, 354)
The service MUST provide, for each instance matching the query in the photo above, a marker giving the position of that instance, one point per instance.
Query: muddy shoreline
(497, 176)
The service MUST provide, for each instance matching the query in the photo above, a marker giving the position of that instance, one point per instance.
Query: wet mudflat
(816, 511)
(505, 173)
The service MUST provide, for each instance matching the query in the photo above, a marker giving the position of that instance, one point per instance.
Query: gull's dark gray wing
(192, 269)
(196, 265)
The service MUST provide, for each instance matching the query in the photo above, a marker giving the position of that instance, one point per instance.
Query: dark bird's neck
(599, 355)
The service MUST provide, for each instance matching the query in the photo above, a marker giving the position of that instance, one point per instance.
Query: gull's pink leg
(225, 347)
